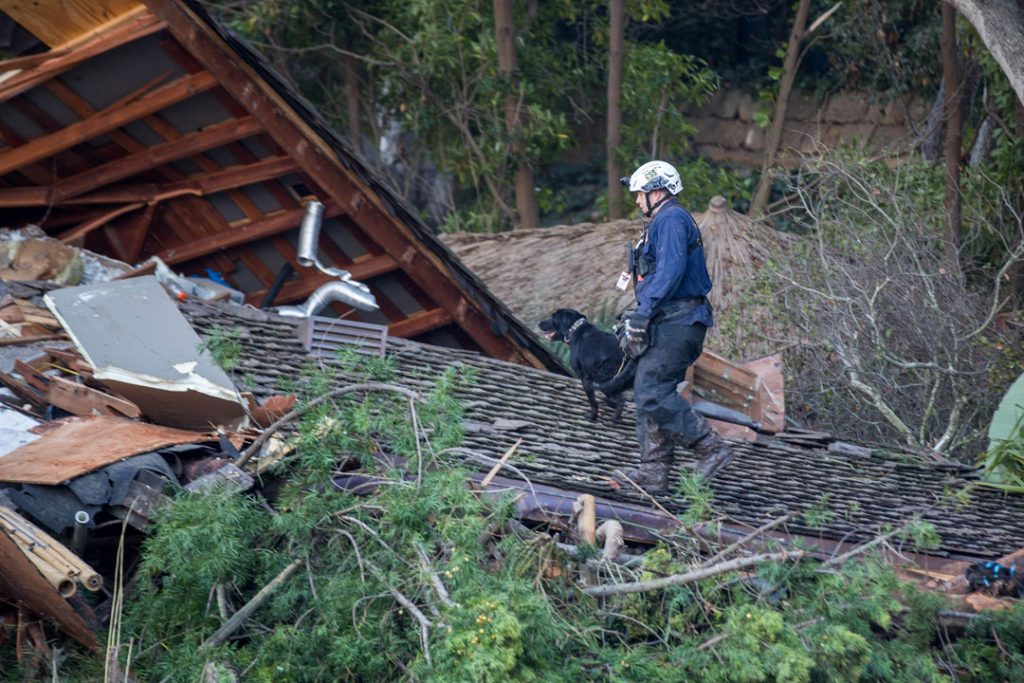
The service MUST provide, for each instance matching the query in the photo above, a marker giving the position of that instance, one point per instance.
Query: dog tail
(620, 382)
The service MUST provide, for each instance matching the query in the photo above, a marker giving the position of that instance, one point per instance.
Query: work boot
(713, 452)
(656, 449)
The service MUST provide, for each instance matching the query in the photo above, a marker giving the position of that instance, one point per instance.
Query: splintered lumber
(58, 565)
(75, 398)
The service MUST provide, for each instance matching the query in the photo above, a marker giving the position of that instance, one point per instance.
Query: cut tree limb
(691, 576)
(236, 620)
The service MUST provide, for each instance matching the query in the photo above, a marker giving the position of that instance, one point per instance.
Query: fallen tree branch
(236, 620)
(863, 548)
(254, 447)
(692, 576)
(722, 554)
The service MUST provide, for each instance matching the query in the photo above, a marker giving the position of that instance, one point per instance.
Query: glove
(634, 341)
(636, 329)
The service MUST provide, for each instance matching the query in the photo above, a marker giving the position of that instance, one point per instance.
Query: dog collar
(575, 326)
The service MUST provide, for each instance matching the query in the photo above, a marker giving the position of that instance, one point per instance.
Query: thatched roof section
(576, 266)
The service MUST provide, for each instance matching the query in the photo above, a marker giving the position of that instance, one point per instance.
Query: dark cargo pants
(674, 347)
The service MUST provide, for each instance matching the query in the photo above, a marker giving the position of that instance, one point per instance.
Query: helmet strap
(651, 209)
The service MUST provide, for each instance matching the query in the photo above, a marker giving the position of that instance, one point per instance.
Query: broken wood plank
(79, 399)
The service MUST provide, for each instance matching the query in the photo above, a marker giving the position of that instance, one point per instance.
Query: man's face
(641, 199)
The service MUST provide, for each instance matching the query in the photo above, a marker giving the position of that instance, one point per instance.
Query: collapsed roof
(857, 491)
(146, 129)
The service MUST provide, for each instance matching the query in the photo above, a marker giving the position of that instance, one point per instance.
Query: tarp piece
(84, 444)
(144, 349)
(14, 430)
(54, 507)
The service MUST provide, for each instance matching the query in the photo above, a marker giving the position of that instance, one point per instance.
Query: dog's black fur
(595, 357)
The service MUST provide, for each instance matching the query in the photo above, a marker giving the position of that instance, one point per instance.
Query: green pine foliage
(509, 609)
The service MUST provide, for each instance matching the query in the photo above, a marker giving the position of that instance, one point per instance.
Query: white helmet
(654, 175)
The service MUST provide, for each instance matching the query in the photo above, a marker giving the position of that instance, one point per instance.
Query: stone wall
(726, 131)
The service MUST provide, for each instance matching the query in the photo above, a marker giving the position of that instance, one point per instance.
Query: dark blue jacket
(680, 272)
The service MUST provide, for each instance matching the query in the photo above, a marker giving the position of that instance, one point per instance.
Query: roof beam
(321, 162)
(157, 155)
(240, 234)
(419, 323)
(300, 289)
(61, 60)
(104, 121)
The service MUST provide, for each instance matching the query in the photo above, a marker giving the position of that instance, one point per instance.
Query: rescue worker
(665, 332)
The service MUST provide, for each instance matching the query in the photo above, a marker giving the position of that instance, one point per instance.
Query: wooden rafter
(63, 59)
(113, 117)
(321, 162)
(298, 290)
(229, 178)
(128, 238)
(239, 234)
(157, 155)
(420, 322)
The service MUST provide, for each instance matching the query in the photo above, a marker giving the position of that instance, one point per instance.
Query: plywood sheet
(56, 22)
(83, 444)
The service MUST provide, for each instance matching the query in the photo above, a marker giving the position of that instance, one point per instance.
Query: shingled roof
(146, 128)
(858, 492)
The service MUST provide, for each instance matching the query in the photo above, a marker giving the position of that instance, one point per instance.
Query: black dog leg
(588, 388)
(619, 402)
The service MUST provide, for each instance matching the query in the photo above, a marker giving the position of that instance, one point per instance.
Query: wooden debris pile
(107, 403)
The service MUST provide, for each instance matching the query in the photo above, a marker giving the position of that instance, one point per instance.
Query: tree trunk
(1000, 24)
(352, 100)
(505, 33)
(616, 48)
(954, 134)
(789, 65)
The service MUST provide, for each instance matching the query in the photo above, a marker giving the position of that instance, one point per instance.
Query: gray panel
(108, 77)
(343, 238)
(262, 198)
(223, 157)
(244, 279)
(227, 208)
(132, 324)
(195, 113)
(54, 108)
(21, 124)
(258, 149)
(268, 254)
(186, 167)
(396, 294)
(143, 133)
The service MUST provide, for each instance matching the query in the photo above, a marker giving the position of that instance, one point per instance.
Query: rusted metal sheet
(83, 444)
(21, 583)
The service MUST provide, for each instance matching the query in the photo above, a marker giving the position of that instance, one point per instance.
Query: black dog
(595, 357)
